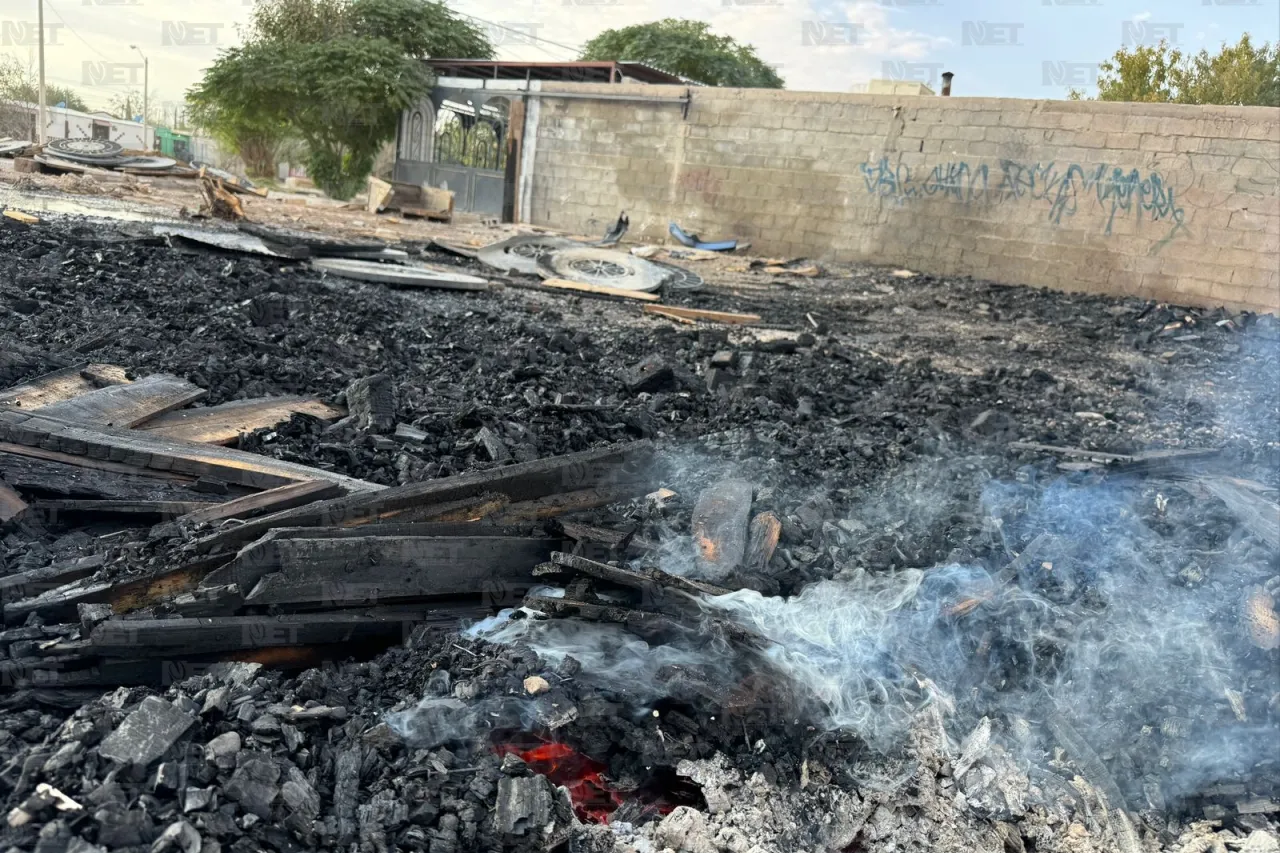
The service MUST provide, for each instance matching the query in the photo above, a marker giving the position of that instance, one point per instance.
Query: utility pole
(43, 133)
(146, 85)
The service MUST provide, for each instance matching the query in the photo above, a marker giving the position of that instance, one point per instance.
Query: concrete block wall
(1161, 201)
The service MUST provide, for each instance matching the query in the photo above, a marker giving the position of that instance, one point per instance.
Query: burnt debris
(295, 562)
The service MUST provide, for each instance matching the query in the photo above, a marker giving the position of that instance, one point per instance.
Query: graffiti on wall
(1059, 189)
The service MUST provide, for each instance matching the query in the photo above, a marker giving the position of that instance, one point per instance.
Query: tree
(53, 95)
(335, 73)
(687, 48)
(1239, 74)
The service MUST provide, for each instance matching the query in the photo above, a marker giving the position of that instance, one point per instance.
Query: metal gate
(457, 141)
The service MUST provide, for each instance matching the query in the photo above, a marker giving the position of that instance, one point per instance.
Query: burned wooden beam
(646, 579)
(359, 571)
(142, 450)
(1259, 516)
(200, 636)
(128, 508)
(627, 465)
(641, 622)
(33, 582)
(272, 500)
(129, 404)
(224, 423)
(47, 474)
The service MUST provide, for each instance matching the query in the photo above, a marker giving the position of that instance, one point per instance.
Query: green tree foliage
(53, 95)
(1240, 74)
(334, 73)
(687, 48)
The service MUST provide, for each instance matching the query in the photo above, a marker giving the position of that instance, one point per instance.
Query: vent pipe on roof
(946, 83)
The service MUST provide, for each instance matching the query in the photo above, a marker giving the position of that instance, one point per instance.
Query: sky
(995, 48)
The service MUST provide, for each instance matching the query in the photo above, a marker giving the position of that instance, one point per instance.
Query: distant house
(457, 137)
(64, 123)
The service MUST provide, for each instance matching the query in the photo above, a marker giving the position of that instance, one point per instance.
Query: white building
(63, 123)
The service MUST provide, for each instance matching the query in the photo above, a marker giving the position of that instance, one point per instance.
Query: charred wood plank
(1073, 452)
(134, 508)
(225, 423)
(33, 582)
(563, 504)
(628, 464)
(61, 385)
(272, 500)
(354, 572)
(205, 635)
(36, 476)
(143, 450)
(60, 604)
(129, 404)
(646, 579)
(641, 622)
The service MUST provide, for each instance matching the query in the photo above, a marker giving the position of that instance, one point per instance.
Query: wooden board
(63, 384)
(165, 509)
(160, 637)
(330, 573)
(224, 423)
(272, 500)
(698, 314)
(143, 450)
(128, 405)
(35, 476)
(11, 503)
(599, 290)
(526, 481)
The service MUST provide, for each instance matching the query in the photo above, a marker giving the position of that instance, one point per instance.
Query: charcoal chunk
(147, 733)
(253, 785)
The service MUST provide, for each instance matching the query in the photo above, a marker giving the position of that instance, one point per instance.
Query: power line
(522, 33)
(48, 5)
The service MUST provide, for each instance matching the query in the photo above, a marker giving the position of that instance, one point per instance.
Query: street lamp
(146, 85)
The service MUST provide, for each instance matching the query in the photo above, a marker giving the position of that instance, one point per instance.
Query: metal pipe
(946, 83)
(42, 134)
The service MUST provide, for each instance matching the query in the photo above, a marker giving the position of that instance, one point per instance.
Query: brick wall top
(705, 93)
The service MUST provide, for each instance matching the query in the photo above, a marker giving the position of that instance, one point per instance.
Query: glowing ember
(592, 800)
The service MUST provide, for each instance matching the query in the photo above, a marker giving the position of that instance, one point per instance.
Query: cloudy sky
(1001, 48)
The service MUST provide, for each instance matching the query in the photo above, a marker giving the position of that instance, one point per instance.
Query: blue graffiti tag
(1116, 191)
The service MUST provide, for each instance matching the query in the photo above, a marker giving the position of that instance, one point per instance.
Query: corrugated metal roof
(579, 72)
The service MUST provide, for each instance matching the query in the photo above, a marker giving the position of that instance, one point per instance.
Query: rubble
(297, 666)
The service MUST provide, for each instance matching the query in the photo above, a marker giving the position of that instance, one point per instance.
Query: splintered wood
(126, 405)
(225, 423)
(62, 385)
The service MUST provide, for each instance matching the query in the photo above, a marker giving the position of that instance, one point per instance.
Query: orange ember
(592, 800)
